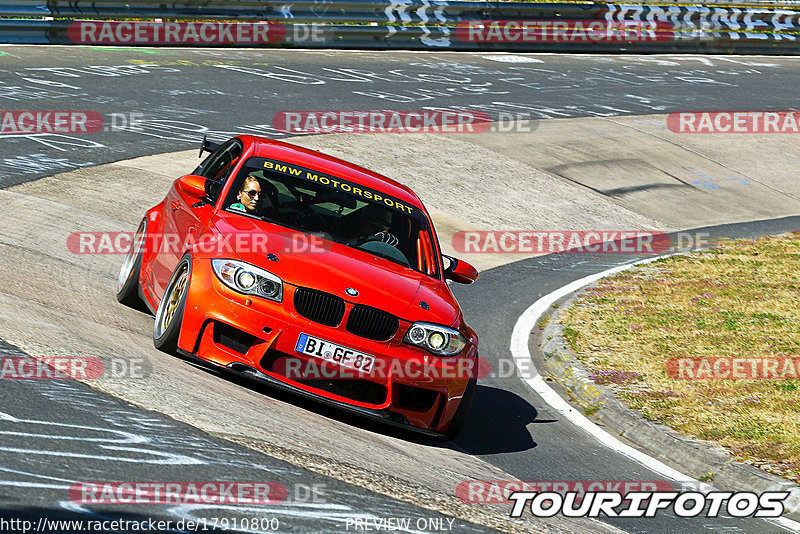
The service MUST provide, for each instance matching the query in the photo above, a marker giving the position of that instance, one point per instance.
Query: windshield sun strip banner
(333, 182)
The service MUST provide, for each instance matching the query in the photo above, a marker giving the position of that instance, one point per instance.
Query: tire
(128, 279)
(169, 315)
(460, 418)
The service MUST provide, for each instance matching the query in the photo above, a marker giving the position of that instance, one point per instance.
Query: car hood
(332, 267)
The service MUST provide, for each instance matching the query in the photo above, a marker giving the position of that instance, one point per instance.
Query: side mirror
(193, 185)
(460, 271)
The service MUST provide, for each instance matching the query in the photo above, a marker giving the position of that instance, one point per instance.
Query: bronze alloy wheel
(172, 299)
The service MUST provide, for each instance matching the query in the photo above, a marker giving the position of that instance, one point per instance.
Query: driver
(249, 196)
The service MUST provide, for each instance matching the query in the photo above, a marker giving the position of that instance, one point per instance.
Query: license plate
(325, 350)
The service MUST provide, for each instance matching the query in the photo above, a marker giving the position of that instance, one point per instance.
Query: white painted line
(39, 485)
(126, 437)
(165, 458)
(512, 58)
(523, 361)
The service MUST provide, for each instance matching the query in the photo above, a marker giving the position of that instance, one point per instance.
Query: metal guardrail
(301, 10)
(427, 24)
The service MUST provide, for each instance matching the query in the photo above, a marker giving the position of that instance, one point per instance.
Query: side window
(218, 166)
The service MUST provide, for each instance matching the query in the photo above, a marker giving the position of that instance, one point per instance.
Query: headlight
(248, 279)
(436, 339)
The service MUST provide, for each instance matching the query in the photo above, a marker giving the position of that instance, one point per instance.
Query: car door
(186, 219)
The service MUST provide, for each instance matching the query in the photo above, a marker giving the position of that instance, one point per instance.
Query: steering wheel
(382, 236)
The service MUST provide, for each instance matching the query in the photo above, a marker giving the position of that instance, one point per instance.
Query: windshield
(342, 211)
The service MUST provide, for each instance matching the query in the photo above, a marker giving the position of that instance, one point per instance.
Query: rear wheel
(457, 423)
(128, 279)
(169, 315)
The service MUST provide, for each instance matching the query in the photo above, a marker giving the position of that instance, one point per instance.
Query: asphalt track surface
(59, 433)
(175, 96)
(181, 94)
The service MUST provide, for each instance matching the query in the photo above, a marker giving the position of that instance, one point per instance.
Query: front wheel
(457, 423)
(169, 315)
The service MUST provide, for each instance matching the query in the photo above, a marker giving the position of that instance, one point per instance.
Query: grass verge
(740, 300)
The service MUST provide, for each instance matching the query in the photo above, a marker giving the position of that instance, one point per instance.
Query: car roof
(270, 148)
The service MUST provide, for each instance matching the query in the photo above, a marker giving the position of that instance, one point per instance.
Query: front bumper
(256, 338)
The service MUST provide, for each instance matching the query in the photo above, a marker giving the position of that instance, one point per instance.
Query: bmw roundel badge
(352, 292)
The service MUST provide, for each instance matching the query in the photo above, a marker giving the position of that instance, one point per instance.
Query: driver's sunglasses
(252, 193)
